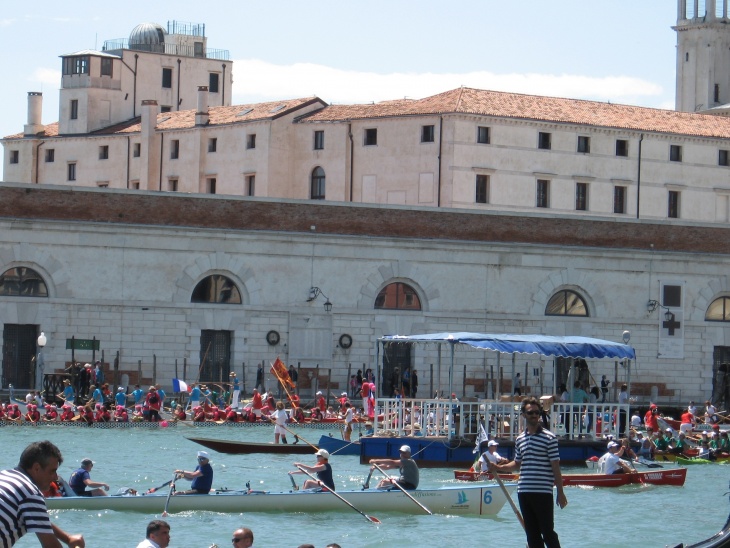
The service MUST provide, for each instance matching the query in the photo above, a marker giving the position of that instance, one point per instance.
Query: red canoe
(669, 476)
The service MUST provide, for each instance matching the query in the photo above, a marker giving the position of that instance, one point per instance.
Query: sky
(342, 51)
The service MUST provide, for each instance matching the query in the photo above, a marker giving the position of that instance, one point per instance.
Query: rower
(409, 475)
(611, 462)
(202, 476)
(323, 469)
(491, 455)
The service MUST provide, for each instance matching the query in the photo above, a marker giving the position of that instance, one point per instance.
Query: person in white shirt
(348, 420)
(491, 455)
(279, 417)
(710, 413)
(611, 462)
(158, 535)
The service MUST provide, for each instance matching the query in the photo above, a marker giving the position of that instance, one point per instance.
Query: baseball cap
(492, 443)
(203, 455)
(120, 389)
(323, 453)
(405, 449)
(612, 444)
(319, 393)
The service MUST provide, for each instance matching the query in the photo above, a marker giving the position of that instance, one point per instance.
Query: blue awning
(545, 345)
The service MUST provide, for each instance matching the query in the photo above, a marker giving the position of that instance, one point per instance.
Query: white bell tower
(703, 55)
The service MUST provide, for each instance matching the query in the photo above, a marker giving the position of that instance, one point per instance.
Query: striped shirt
(535, 453)
(22, 508)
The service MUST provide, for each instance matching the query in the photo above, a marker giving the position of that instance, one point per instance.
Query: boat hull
(336, 446)
(673, 476)
(246, 448)
(483, 500)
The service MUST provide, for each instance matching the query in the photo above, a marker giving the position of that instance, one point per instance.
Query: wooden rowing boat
(477, 500)
(668, 476)
(246, 447)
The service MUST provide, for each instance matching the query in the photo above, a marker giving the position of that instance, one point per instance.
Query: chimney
(35, 109)
(149, 142)
(201, 116)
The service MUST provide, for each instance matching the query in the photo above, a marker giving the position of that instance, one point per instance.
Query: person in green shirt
(660, 442)
(679, 445)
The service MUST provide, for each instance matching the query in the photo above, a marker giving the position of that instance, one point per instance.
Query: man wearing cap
(651, 418)
(491, 455)
(81, 479)
(68, 392)
(120, 397)
(611, 462)
(409, 475)
(202, 476)
(321, 403)
(323, 469)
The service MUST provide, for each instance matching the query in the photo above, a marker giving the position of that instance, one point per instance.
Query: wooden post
(185, 369)
(463, 383)
(350, 389)
(243, 380)
(430, 386)
(139, 372)
(154, 369)
(116, 370)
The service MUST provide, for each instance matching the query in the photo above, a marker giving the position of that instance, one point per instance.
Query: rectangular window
(167, 78)
(72, 171)
(106, 66)
(543, 193)
(76, 65)
(371, 137)
(482, 189)
(675, 153)
(212, 144)
(50, 155)
(543, 140)
(622, 147)
(722, 158)
(251, 140)
(137, 150)
(213, 79)
(319, 140)
(104, 152)
(172, 185)
(483, 135)
(673, 204)
(174, 149)
(427, 134)
(14, 156)
(716, 95)
(619, 199)
(581, 196)
(74, 109)
(584, 144)
(250, 185)
(165, 108)
(210, 185)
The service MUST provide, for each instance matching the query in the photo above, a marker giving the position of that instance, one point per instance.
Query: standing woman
(279, 417)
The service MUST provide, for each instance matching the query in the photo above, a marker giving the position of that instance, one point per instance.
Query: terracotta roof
(535, 107)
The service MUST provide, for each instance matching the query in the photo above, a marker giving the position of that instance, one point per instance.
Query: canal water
(647, 516)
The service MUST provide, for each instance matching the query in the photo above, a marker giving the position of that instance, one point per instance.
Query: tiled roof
(534, 107)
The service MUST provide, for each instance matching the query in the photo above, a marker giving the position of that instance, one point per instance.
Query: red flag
(279, 369)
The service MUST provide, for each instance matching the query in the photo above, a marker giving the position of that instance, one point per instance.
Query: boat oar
(509, 499)
(155, 489)
(169, 494)
(293, 483)
(363, 514)
(406, 493)
(297, 436)
(366, 485)
(647, 463)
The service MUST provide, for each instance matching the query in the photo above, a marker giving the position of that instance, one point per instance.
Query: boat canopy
(546, 345)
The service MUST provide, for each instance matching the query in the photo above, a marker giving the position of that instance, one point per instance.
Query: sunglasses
(236, 540)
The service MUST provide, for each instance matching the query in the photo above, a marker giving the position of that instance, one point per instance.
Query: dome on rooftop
(146, 34)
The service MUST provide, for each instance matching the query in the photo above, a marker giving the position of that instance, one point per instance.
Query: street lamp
(315, 292)
(652, 305)
(41, 341)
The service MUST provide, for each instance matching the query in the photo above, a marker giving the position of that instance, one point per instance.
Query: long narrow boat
(684, 461)
(718, 540)
(246, 447)
(669, 476)
(477, 500)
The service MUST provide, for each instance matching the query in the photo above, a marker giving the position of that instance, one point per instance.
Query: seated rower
(679, 445)
(611, 462)
(647, 448)
(67, 412)
(202, 476)
(199, 414)
(120, 414)
(409, 475)
(179, 413)
(51, 413)
(490, 455)
(323, 469)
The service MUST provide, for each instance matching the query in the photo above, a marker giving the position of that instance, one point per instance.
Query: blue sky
(621, 51)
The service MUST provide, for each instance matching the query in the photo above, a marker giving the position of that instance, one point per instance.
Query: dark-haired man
(22, 506)
(538, 460)
(158, 535)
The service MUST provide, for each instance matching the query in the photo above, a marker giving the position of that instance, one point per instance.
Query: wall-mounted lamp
(315, 292)
(41, 342)
(652, 305)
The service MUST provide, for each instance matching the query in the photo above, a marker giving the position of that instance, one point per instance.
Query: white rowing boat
(482, 500)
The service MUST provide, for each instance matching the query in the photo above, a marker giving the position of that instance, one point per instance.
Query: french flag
(179, 386)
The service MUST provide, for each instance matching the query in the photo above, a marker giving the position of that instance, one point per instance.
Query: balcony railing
(169, 49)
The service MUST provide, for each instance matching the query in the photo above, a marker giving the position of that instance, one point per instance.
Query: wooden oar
(155, 489)
(647, 463)
(366, 485)
(509, 499)
(406, 493)
(169, 494)
(363, 514)
(297, 436)
(293, 483)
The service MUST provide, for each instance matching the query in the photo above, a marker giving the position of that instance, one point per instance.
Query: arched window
(719, 310)
(566, 303)
(398, 296)
(317, 189)
(216, 289)
(22, 282)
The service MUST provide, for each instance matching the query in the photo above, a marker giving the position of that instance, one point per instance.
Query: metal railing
(169, 49)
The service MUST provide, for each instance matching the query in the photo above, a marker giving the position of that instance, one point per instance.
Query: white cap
(492, 443)
(344, 394)
(405, 449)
(120, 389)
(203, 455)
(319, 393)
(323, 453)
(612, 444)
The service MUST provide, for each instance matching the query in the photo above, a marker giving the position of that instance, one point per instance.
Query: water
(648, 516)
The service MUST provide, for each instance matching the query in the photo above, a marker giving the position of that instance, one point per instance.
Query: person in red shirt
(2, 411)
(231, 414)
(688, 422)
(120, 414)
(14, 412)
(198, 414)
(51, 413)
(651, 418)
(180, 413)
(153, 401)
(257, 403)
(68, 413)
(321, 403)
(32, 414)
